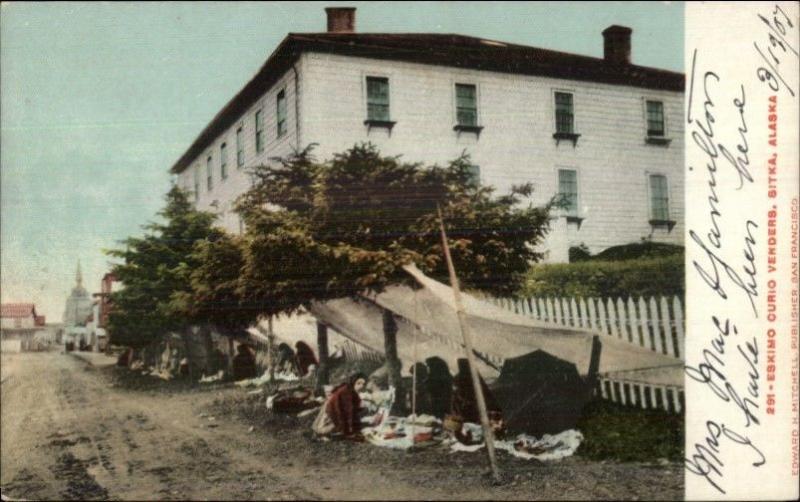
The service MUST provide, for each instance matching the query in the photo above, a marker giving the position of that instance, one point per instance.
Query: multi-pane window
(474, 173)
(466, 105)
(196, 182)
(378, 98)
(655, 118)
(259, 131)
(565, 115)
(223, 161)
(568, 190)
(659, 197)
(239, 148)
(280, 106)
(209, 174)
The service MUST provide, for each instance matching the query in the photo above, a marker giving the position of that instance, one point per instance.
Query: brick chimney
(341, 19)
(617, 44)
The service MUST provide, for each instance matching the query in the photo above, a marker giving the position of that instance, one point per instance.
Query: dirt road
(69, 433)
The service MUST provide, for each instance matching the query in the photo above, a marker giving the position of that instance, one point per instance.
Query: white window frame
(650, 215)
(223, 161)
(564, 90)
(478, 104)
(196, 180)
(365, 92)
(278, 133)
(261, 146)
(240, 145)
(663, 102)
(578, 208)
(209, 171)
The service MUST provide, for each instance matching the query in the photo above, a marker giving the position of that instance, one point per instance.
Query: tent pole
(488, 435)
(414, 375)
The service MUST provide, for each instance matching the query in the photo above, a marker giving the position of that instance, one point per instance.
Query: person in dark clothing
(423, 404)
(439, 385)
(340, 414)
(305, 357)
(244, 363)
(464, 403)
(286, 359)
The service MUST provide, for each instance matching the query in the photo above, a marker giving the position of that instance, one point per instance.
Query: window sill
(668, 224)
(459, 128)
(657, 140)
(383, 124)
(574, 220)
(570, 136)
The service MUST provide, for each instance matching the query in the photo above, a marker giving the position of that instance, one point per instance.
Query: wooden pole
(271, 350)
(322, 351)
(488, 435)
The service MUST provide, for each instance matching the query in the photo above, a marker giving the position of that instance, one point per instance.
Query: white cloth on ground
(548, 447)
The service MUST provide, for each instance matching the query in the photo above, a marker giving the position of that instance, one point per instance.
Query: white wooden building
(605, 133)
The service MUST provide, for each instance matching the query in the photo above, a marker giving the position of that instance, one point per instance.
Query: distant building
(603, 133)
(78, 305)
(16, 316)
(22, 329)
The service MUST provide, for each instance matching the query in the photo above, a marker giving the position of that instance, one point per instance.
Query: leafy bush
(579, 253)
(638, 250)
(614, 432)
(642, 277)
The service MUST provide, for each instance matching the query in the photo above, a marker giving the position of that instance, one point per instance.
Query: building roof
(16, 310)
(435, 49)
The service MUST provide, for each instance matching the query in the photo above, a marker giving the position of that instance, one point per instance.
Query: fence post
(582, 314)
(633, 322)
(592, 314)
(645, 323)
(665, 322)
(601, 315)
(623, 319)
(656, 328)
(573, 312)
(559, 315)
(612, 318)
(676, 307)
(676, 401)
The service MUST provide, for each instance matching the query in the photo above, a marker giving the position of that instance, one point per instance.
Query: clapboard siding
(516, 144)
(226, 191)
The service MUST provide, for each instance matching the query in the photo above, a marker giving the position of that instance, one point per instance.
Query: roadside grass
(626, 434)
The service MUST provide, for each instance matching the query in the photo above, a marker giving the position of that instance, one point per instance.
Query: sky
(98, 100)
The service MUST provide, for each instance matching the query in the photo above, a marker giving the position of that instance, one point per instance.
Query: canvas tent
(541, 394)
(428, 325)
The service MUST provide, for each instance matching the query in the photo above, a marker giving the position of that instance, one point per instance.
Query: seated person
(244, 363)
(340, 413)
(465, 405)
(439, 387)
(305, 357)
(286, 359)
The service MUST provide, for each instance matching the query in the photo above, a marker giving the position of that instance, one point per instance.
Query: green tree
(324, 230)
(153, 271)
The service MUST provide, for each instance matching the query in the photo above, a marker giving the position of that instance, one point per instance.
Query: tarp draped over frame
(498, 333)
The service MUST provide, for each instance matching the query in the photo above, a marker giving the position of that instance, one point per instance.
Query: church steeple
(79, 276)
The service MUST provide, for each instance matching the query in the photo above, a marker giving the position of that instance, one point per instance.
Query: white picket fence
(654, 323)
(642, 394)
